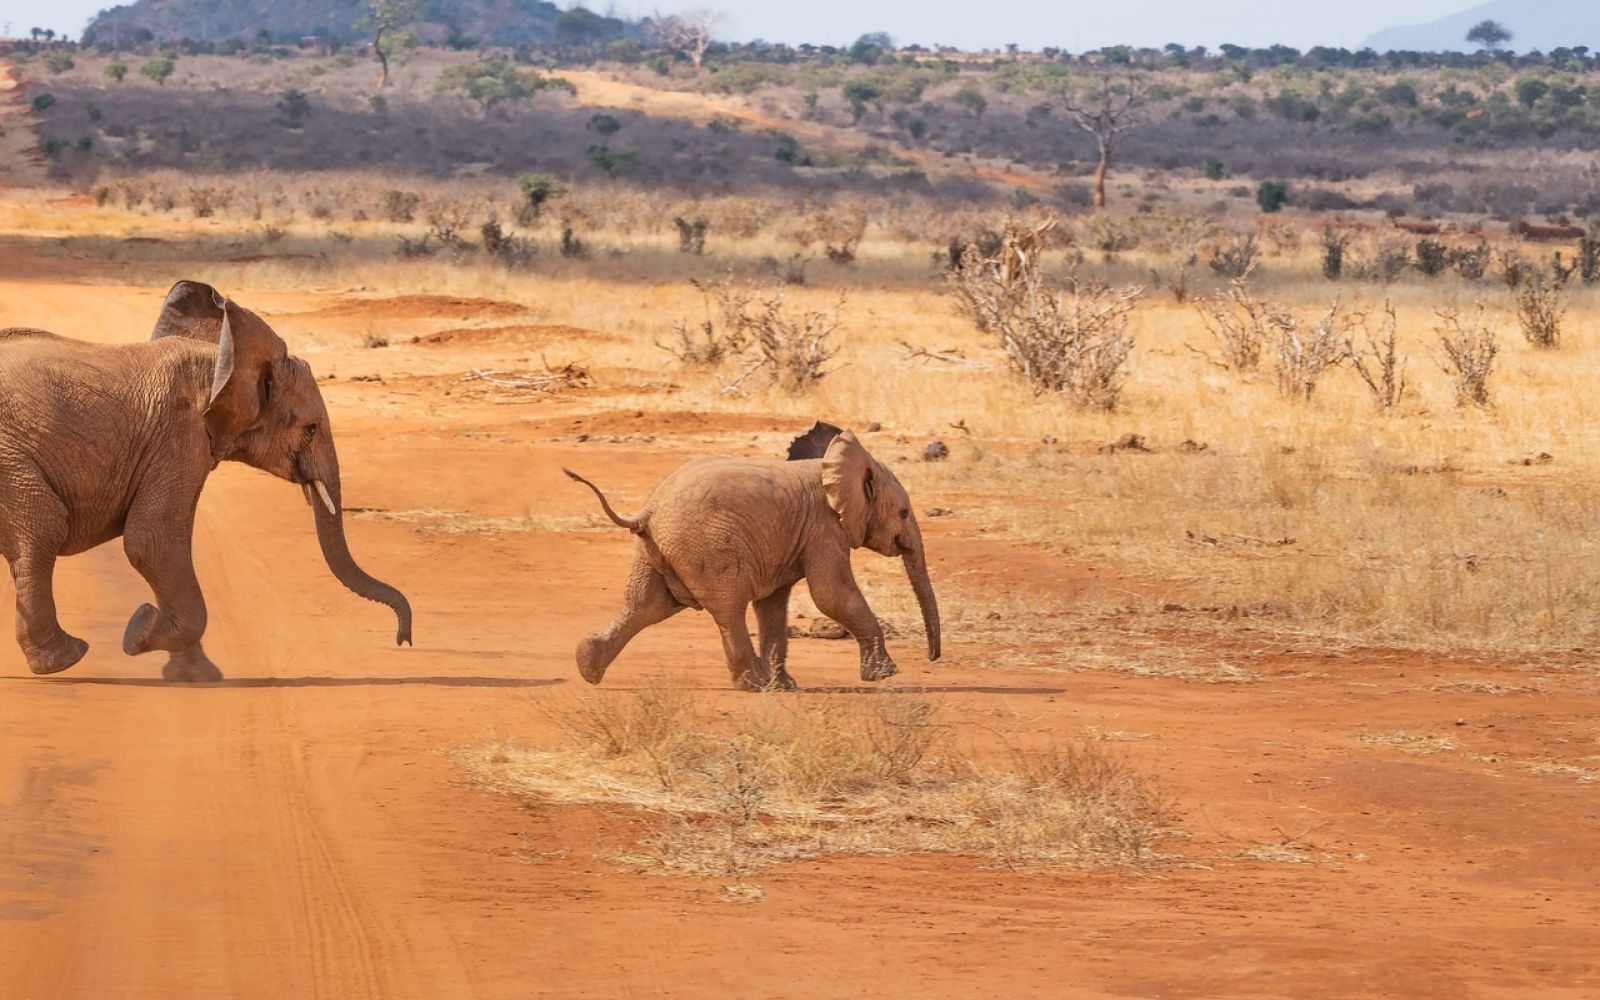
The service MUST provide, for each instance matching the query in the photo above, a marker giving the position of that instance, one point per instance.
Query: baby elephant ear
(848, 481)
(813, 443)
(194, 310)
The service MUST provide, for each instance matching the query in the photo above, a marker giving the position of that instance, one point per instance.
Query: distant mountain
(1534, 24)
(494, 22)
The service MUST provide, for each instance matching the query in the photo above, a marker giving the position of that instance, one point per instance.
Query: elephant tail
(635, 525)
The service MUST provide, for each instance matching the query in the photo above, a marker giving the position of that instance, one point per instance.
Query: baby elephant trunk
(916, 563)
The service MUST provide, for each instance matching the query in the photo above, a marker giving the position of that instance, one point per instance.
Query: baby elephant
(722, 533)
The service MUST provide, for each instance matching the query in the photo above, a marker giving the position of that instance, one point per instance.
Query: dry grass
(786, 777)
(1420, 744)
(1415, 525)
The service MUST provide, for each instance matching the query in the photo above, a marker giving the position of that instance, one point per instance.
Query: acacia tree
(689, 32)
(1107, 110)
(385, 19)
(1489, 35)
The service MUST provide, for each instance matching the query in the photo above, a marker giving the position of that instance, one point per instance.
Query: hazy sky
(990, 23)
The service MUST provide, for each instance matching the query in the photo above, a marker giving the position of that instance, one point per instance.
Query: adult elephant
(722, 533)
(102, 440)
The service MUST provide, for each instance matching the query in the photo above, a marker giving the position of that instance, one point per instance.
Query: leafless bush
(1175, 281)
(399, 206)
(1472, 263)
(794, 346)
(723, 333)
(1334, 245)
(1306, 353)
(1241, 324)
(1469, 345)
(1514, 268)
(691, 234)
(1378, 361)
(1072, 341)
(515, 252)
(1234, 255)
(1540, 308)
(791, 271)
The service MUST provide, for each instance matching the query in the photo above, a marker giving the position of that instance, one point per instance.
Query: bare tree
(385, 19)
(689, 32)
(1108, 110)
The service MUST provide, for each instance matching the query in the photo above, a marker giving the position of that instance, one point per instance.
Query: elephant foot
(782, 681)
(58, 655)
(590, 659)
(878, 667)
(136, 637)
(757, 678)
(190, 666)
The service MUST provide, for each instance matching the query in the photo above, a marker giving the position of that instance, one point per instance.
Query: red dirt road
(300, 831)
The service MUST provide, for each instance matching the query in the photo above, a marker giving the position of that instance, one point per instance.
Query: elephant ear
(194, 310)
(849, 482)
(813, 443)
(247, 352)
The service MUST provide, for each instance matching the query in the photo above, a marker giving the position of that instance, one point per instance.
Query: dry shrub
(1378, 360)
(795, 346)
(723, 333)
(1469, 346)
(691, 234)
(1234, 255)
(1241, 324)
(1306, 352)
(785, 777)
(1072, 341)
(1540, 308)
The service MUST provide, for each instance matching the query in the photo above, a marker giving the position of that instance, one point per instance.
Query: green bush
(116, 69)
(58, 62)
(1272, 195)
(158, 69)
(44, 102)
(537, 190)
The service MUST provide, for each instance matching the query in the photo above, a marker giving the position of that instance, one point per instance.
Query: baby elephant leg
(749, 671)
(772, 627)
(840, 599)
(646, 602)
(175, 623)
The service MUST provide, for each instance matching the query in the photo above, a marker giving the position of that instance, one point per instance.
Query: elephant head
(874, 510)
(265, 410)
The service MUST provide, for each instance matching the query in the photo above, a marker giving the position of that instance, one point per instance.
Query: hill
(468, 22)
(1534, 24)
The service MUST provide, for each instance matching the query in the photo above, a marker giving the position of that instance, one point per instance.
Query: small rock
(874, 427)
(1048, 439)
(936, 451)
(1193, 447)
(582, 438)
(937, 512)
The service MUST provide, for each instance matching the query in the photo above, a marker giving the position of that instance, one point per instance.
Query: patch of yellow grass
(783, 777)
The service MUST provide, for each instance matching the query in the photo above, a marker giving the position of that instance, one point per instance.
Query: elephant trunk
(329, 510)
(916, 563)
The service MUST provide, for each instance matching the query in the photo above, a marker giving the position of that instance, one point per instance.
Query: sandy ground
(300, 830)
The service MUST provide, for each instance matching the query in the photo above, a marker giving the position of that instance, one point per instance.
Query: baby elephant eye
(311, 430)
(905, 512)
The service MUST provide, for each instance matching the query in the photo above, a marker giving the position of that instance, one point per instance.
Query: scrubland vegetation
(1321, 375)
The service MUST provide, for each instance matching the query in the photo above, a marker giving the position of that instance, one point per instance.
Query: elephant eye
(905, 512)
(311, 430)
(266, 388)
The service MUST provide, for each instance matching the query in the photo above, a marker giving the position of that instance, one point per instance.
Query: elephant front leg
(177, 620)
(47, 647)
(838, 597)
(772, 628)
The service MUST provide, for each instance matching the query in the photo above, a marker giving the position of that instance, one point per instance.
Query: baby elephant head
(265, 410)
(874, 510)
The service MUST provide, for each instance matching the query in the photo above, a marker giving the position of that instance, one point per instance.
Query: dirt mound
(417, 307)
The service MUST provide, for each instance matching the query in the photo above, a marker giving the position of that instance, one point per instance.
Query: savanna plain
(1261, 677)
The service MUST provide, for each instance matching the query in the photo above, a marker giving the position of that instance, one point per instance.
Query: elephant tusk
(327, 501)
(307, 487)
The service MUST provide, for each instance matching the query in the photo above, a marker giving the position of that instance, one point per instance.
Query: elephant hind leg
(646, 601)
(772, 626)
(47, 647)
(749, 671)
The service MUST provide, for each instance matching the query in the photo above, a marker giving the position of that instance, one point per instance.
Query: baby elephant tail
(635, 525)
